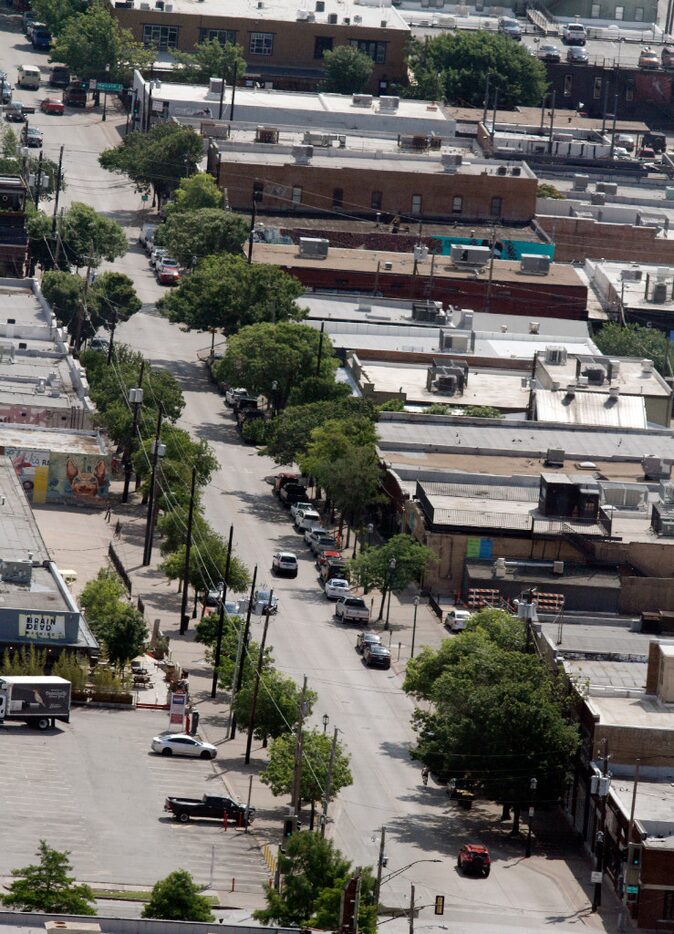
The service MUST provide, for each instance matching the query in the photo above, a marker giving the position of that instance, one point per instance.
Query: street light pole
(184, 617)
(326, 720)
(414, 625)
(599, 854)
(157, 452)
(380, 866)
(533, 784)
(105, 95)
(136, 400)
(391, 567)
(221, 615)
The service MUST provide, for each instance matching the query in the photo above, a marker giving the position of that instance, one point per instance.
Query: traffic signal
(634, 854)
(288, 827)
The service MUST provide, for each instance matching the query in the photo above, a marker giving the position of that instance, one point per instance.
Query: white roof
(590, 408)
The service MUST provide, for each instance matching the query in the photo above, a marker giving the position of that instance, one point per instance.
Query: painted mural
(61, 478)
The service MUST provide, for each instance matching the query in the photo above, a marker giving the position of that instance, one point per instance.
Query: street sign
(632, 889)
(439, 904)
(596, 877)
(92, 84)
(144, 197)
(108, 86)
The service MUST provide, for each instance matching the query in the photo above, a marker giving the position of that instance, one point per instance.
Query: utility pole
(552, 120)
(599, 868)
(412, 909)
(38, 180)
(222, 90)
(319, 359)
(234, 77)
(487, 303)
(113, 325)
(221, 618)
(252, 228)
(57, 193)
(184, 617)
(77, 337)
(615, 117)
(256, 687)
(328, 782)
(299, 748)
(380, 865)
(136, 400)
(149, 522)
(486, 99)
(242, 655)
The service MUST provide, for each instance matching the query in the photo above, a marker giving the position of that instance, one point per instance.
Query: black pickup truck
(215, 806)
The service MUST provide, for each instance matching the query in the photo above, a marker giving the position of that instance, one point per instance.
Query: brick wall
(582, 238)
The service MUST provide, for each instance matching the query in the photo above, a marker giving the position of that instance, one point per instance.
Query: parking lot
(93, 787)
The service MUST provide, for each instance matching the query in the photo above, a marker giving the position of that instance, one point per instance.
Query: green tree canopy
(316, 751)
(124, 635)
(112, 297)
(284, 353)
(48, 886)
(226, 292)
(88, 237)
(291, 433)
(192, 235)
(318, 389)
(178, 898)
(88, 42)
(455, 65)
(314, 875)
(56, 13)
(634, 340)
(64, 292)
(156, 161)
(372, 567)
(277, 708)
(101, 596)
(211, 59)
(208, 560)
(347, 70)
(194, 193)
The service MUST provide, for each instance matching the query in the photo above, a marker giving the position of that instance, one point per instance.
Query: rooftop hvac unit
(302, 15)
(332, 19)
(608, 188)
(426, 311)
(214, 85)
(555, 356)
(266, 134)
(631, 275)
(534, 327)
(534, 264)
(17, 572)
(659, 295)
(420, 253)
(554, 457)
(450, 161)
(502, 170)
(314, 247)
(302, 153)
(388, 265)
(597, 197)
(558, 567)
(361, 100)
(646, 366)
(446, 385)
(41, 386)
(596, 375)
(357, 20)
(500, 569)
(145, 6)
(655, 468)
(662, 520)
(320, 6)
(470, 255)
(580, 182)
(389, 104)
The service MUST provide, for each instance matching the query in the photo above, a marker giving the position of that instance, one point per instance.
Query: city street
(369, 707)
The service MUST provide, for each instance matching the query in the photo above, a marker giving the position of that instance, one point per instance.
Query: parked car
(574, 34)
(456, 620)
(284, 563)
(102, 344)
(50, 105)
(28, 18)
(182, 744)
(156, 254)
(333, 567)
(625, 140)
(474, 858)
(656, 141)
(32, 137)
(336, 588)
(325, 555)
(75, 96)
(376, 655)
(28, 77)
(232, 393)
(215, 806)
(5, 88)
(352, 610)
(323, 543)
(264, 599)
(299, 507)
(15, 113)
(366, 638)
(281, 478)
(169, 275)
(166, 262)
(292, 493)
(648, 60)
(549, 53)
(244, 402)
(32, 26)
(646, 153)
(577, 55)
(307, 519)
(59, 76)
(509, 26)
(41, 39)
(146, 235)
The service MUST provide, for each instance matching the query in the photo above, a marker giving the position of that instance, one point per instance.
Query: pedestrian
(425, 772)
(108, 512)
(118, 529)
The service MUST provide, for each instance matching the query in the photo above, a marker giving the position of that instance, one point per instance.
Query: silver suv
(510, 27)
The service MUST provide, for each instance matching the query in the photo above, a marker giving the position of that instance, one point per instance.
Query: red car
(324, 556)
(474, 858)
(168, 276)
(50, 105)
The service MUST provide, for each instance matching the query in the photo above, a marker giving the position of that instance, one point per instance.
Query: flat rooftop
(632, 378)
(590, 408)
(601, 641)
(19, 307)
(654, 809)
(361, 227)
(54, 440)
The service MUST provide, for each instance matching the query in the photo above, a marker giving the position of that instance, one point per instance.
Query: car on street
(28, 77)
(646, 153)
(366, 638)
(474, 858)
(325, 555)
(75, 96)
(306, 519)
(50, 105)
(667, 56)
(321, 541)
(352, 610)
(182, 744)
(333, 567)
(264, 599)
(32, 137)
(41, 38)
(299, 507)
(293, 493)
(232, 394)
(508, 26)
(169, 275)
(626, 141)
(456, 620)
(214, 806)
(577, 55)
(146, 235)
(316, 530)
(648, 60)
(337, 587)
(574, 34)
(157, 254)
(59, 76)
(549, 53)
(5, 88)
(101, 344)
(284, 564)
(15, 113)
(166, 262)
(376, 655)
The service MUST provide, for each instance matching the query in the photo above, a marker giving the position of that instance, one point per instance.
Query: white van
(29, 77)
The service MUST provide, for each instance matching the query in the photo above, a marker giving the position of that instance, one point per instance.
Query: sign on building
(42, 626)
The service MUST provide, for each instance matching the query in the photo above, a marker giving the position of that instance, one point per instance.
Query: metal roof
(590, 408)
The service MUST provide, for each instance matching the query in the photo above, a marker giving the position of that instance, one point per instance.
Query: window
(595, 10)
(222, 35)
(596, 92)
(163, 37)
(639, 14)
(496, 207)
(376, 200)
(629, 92)
(337, 197)
(376, 50)
(619, 12)
(261, 43)
(297, 194)
(568, 85)
(457, 204)
(416, 204)
(322, 44)
(668, 906)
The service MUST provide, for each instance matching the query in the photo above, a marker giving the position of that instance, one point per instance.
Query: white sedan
(182, 744)
(299, 507)
(337, 587)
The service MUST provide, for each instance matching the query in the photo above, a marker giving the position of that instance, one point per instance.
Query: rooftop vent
(555, 356)
(314, 247)
(360, 100)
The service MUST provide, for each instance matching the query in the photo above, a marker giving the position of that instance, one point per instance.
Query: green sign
(107, 86)
(632, 889)
(145, 198)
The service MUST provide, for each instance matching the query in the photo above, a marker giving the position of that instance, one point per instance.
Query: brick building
(280, 39)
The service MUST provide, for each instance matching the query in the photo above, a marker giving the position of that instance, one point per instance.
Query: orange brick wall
(582, 238)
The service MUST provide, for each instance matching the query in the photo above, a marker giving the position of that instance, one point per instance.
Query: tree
(284, 353)
(347, 70)
(94, 45)
(192, 235)
(64, 292)
(277, 708)
(48, 886)
(318, 389)
(194, 193)
(211, 59)
(226, 292)
(372, 567)
(101, 596)
(56, 13)
(178, 898)
(156, 161)
(634, 340)
(291, 432)
(208, 561)
(454, 66)
(88, 237)
(124, 635)
(316, 752)
(182, 452)
(547, 190)
(314, 875)
(112, 297)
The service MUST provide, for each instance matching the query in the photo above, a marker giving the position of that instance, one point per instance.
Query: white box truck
(38, 700)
